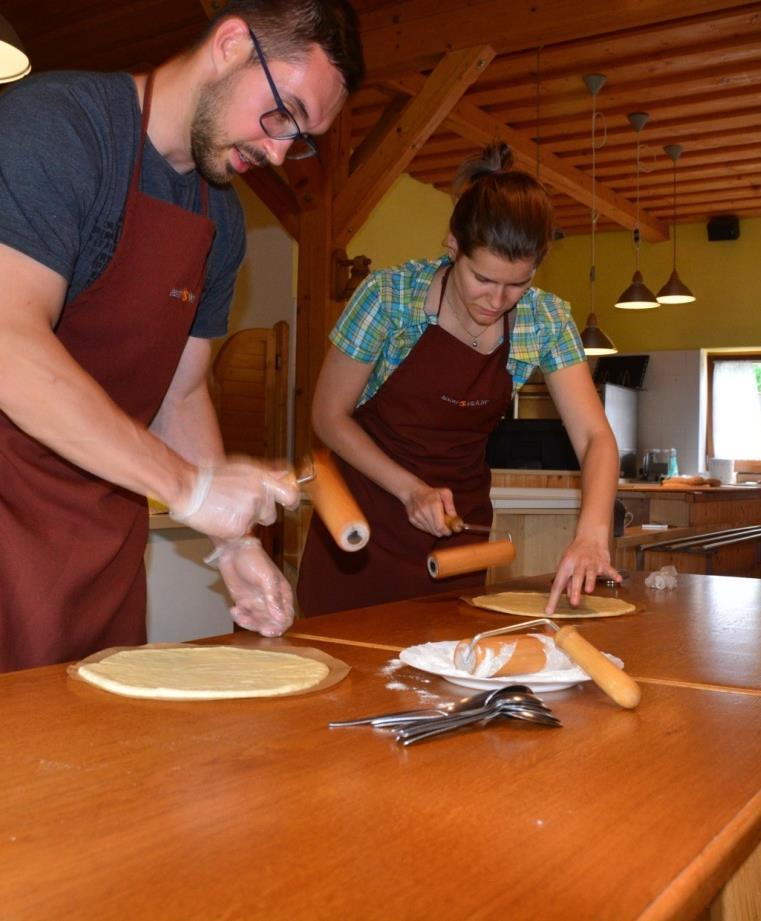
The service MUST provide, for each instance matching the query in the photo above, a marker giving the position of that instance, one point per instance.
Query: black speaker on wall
(724, 227)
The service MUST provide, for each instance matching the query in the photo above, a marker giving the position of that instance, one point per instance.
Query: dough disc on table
(532, 604)
(202, 672)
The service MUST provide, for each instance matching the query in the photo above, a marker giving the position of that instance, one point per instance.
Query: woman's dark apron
(72, 578)
(433, 416)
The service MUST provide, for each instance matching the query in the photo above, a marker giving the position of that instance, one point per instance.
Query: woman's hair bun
(496, 158)
(502, 209)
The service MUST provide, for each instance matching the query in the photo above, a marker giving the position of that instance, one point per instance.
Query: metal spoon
(530, 709)
(534, 711)
(475, 702)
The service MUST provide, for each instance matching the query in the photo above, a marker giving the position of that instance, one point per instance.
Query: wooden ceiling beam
(686, 185)
(697, 165)
(381, 126)
(482, 129)
(450, 79)
(697, 87)
(628, 57)
(410, 35)
(476, 125)
(720, 148)
(745, 101)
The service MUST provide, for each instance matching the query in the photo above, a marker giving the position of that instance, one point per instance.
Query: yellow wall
(724, 277)
(411, 222)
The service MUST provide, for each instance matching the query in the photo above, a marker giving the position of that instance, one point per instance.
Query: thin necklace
(473, 339)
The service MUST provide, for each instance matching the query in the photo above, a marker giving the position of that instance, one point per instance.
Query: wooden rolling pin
(494, 656)
(606, 675)
(335, 504)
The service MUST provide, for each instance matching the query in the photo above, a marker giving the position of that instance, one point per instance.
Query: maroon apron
(433, 416)
(72, 578)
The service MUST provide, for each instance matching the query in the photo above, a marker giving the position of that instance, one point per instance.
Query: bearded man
(120, 240)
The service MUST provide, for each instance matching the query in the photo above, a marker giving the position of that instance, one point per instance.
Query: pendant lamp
(674, 291)
(593, 339)
(14, 64)
(637, 296)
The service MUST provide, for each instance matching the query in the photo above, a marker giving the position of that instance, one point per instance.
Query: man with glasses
(120, 238)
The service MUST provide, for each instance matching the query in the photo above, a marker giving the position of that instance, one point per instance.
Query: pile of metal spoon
(515, 701)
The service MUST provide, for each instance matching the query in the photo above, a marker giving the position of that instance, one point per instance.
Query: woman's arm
(582, 413)
(339, 386)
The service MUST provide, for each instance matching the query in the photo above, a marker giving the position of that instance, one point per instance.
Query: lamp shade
(14, 63)
(637, 296)
(675, 291)
(594, 340)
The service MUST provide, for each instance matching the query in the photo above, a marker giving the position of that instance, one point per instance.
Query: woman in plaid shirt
(423, 364)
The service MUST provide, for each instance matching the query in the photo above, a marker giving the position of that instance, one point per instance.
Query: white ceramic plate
(436, 658)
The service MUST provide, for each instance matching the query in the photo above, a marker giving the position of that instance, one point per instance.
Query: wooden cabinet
(730, 505)
(540, 510)
(689, 513)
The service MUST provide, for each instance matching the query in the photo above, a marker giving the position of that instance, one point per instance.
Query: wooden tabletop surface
(706, 631)
(153, 811)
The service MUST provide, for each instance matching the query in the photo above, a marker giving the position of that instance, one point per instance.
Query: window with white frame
(735, 407)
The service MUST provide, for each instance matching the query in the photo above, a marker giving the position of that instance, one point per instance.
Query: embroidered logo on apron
(183, 294)
(466, 403)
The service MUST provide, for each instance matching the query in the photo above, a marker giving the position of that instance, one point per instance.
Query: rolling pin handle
(609, 677)
(454, 523)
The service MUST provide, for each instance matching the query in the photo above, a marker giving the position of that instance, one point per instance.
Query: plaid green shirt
(385, 318)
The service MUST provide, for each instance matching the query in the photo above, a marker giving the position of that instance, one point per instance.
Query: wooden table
(705, 633)
(155, 811)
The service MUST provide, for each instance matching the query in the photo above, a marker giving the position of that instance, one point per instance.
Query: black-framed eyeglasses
(278, 123)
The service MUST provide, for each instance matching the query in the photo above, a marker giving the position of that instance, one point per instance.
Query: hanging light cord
(636, 219)
(595, 214)
(537, 103)
(673, 216)
(593, 264)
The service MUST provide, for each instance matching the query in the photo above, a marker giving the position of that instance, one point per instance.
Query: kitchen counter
(723, 492)
(255, 809)
(692, 506)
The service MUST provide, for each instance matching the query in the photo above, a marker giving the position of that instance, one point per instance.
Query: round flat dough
(532, 604)
(202, 673)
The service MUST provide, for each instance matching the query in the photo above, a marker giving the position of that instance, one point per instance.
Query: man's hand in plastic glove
(262, 595)
(227, 500)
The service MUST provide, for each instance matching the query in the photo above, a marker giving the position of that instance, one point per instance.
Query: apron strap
(145, 117)
(444, 281)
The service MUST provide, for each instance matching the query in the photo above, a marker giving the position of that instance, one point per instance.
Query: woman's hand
(426, 508)
(584, 560)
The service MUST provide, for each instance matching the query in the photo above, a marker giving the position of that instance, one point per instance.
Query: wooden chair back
(249, 385)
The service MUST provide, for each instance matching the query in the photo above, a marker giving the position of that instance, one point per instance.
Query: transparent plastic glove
(262, 597)
(664, 578)
(227, 500)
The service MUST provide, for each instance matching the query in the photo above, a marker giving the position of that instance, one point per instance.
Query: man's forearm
(48, 395)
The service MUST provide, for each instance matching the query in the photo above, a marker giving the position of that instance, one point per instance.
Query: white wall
(670, 413)
(264, 289)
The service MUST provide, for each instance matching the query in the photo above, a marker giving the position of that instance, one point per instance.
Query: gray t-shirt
(68, 142)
